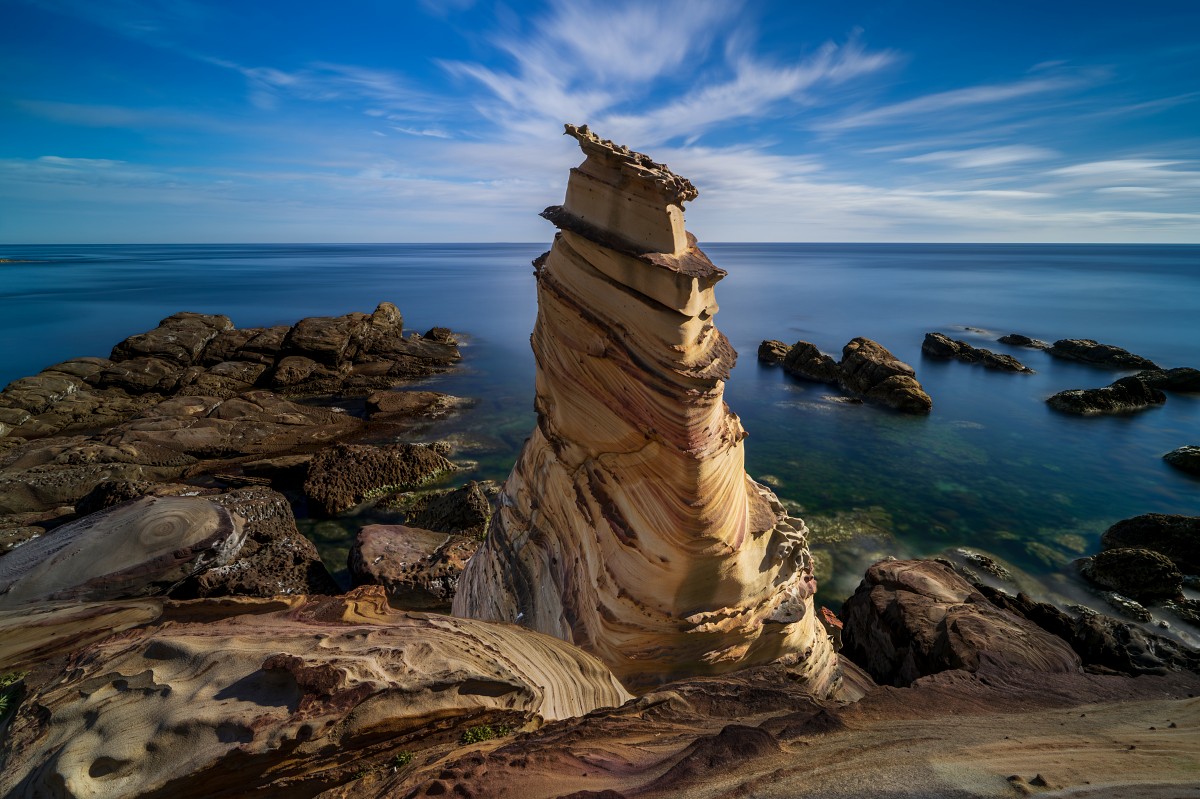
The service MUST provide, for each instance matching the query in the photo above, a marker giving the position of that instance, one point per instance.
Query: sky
(197, 121)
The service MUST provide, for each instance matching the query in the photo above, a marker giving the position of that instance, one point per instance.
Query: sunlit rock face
(628, 525)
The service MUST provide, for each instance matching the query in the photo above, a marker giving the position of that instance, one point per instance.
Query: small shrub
(484, 732)
(402, 759)
(10, 692)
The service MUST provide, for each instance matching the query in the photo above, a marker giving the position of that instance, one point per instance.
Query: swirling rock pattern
(135, 549)
(628, 525)
(280, 698)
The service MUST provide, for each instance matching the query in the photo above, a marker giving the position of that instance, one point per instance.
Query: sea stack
(628, 525)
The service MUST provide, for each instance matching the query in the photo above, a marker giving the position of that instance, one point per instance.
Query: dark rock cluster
(867, 369)
(938, 345)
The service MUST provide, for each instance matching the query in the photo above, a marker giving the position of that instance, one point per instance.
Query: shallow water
(992, 467)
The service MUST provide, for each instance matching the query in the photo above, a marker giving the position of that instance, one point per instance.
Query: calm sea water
(992, 467)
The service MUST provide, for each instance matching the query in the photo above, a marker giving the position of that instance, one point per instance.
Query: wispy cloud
(982, 157)
(569, 68)
(915, 109)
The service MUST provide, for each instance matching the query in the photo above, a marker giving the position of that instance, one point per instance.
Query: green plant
(402, 759)
(484, 732)
(10, 692)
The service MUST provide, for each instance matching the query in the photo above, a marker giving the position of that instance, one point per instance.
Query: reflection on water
(992, 467)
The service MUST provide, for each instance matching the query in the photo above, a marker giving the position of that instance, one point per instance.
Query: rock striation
(278, 698)
(628, 525)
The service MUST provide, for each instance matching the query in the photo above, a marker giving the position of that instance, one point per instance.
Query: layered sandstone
(628, 524)
(280, 697)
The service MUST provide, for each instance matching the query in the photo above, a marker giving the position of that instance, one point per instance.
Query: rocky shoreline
(165, 630)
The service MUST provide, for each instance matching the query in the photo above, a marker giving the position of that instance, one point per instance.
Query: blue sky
(376, 121)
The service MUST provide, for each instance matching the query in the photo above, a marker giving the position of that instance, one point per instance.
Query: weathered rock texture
(1176, 536)
(419, 568)
(1106, 356)
(1126, 395)
(274, 698)
(204, 355)
(142, 547)
(346, 474)
(867, 369)
(912, 618)
(628, 524)
(938, 345)
(1186, 458)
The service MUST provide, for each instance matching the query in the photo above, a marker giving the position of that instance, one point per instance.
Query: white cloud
(982, 157)
(920, 108)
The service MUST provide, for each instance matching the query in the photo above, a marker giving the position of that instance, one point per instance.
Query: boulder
(264, 346)
(1126, 395)
(404, 404)
(909, 619)
(225, 344)
(1104, 644)
(419, 568)
(772, 351)
(38, 393)
(141, 375)
(1185, 458)
(139, 548)
(179, 338)
(345, 475)
(1182, 379)
(1105, 356)
(277, 697)
(324, 339)
(941, 346)
(465, 510)
(806, 362)
(870, 370)
(275, 558)
(1017, 340)
(1140, 573)
(1177, 537)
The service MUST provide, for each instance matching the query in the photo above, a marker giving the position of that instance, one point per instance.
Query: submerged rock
(1177, 537)
(1017, 340)
(941, 346)
(1105, 356)
(1139, 573)
(1185, 458)
(1182, 379)
(869, 369)
(629, 525)
(1126, 395)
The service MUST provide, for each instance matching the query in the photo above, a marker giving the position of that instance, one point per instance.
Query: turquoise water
(991, 467)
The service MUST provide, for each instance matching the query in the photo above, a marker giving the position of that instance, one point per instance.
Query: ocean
(992, 468)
